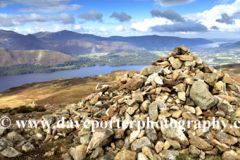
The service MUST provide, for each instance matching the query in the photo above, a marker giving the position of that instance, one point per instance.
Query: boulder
(126, 155)
(153, 111)
(200, 143)
(101, 137)
(139, 143)
(150, 70)
(230, 155)
(169, 154)
(28, 147)
(79, 153)
(201, 96)
(227, 79)
(178, 135)
(175, 62)
(10, 152)
(210, 78)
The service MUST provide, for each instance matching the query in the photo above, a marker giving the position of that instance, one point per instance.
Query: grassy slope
(58, 92)
(44, 57)
(233, 70)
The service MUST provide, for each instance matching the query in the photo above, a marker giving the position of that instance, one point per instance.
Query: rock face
(201, 96)
(165, 111)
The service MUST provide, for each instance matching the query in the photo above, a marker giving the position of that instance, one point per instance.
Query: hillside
(233, 70)
(231, 45)
(44, 57)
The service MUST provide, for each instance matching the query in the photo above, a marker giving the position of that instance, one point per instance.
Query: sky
(181, 18)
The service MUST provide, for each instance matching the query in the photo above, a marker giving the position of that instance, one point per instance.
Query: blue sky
(183, 18)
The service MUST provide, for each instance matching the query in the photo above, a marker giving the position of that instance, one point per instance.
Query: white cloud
(8, 20)
(41, 2)
(224, 1)
(29, 31)
(209, 17)
(146, 24)
(102, 29)
(51, 9)
(119, 28)
(63, 17)
(4, 3)
(77, 27)
(169, 3)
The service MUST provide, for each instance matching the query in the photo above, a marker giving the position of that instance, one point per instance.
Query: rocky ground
(178, 87)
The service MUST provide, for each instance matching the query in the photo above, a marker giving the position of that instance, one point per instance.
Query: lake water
(18, 80)
(209, 45)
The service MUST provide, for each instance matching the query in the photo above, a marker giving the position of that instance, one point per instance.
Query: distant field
(90, 55)
(160, 53)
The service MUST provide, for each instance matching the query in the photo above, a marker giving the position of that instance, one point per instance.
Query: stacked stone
(176, 88)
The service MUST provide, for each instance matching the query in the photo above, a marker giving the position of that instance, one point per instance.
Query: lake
(18, 80)
(209, 45)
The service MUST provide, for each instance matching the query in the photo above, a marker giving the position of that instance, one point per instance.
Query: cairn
(177, 88)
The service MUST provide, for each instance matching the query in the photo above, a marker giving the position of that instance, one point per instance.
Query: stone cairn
(176, 88)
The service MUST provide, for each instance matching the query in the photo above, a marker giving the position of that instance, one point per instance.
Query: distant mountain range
(69, 42)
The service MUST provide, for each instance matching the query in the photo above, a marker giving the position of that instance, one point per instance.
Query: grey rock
(4, 143)
(15, 137)
(225, 138)
(97, 153)
(175, 62)
(40, 136)
(151, 134)
(66, 156)
(151, 78)
(119, 144)
(153, 111)
(169, 154)
(150, 70)
(230, 155)
(101, 137)
(85, 139)
(178, 135)
(139, 143)
(194, 150)
(201, 96)
(161, 105)
(28, 147)
(10, 152)
(142, 156)
(100, 113)
(2, 131)
(200, 143)
(107, 156)
(226, 107)
(79, 153)
(210, 78)
(190, 64)
(126, 155)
